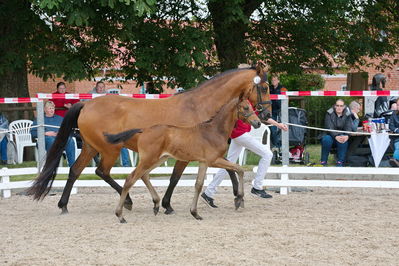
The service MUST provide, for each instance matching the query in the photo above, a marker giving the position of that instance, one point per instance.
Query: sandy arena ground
(319, 227)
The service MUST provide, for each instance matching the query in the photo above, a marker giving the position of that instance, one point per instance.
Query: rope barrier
(16, 130)
(340, 131)
(290, 124)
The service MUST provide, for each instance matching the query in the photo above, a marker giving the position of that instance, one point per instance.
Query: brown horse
(157, 143)
(114, 114)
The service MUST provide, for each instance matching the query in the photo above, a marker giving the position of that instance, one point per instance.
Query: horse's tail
(42, 184)
(121, 137)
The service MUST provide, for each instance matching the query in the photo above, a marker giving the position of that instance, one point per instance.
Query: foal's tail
(121, 137)
(42, 184)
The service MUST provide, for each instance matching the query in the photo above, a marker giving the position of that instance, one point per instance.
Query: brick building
(337, 81)
(333, 82)
(37, 85)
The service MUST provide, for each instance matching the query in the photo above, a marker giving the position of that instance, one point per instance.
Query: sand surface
(319, 227)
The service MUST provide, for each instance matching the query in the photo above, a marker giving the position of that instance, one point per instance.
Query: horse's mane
(216, 114)
(213, 79)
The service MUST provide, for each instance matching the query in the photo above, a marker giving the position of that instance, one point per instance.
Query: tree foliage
(295, 35)
(308, 82)
(186, 40)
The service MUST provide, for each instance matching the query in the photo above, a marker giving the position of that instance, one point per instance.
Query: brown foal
(157, 143)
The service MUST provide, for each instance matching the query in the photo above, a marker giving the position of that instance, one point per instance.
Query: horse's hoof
(169, 210)
(196, 216)
(122, 220)
(128, 205)
(156, 210)
(64, 210)
(237, 202)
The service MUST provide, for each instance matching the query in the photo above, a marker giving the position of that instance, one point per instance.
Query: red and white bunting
(86, 96)
(19, 100)
(341, 93)
(284, 95)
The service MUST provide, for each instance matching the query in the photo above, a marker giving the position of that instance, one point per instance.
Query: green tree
(188, 40)
(55, 38)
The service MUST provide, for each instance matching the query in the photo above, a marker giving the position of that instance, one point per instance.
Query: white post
(40, 135)
(5, 180)
(74, 190)
(284, 177)
(284, 143)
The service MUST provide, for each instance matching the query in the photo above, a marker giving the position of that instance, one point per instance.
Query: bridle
(259, 107)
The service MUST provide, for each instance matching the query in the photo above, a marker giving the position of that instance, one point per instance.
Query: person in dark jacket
(394, 127)
(276, 88)
(337, 118)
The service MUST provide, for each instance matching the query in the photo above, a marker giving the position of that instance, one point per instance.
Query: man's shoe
(261, 193)
(394, 163)
(323, 163)
(208, 200)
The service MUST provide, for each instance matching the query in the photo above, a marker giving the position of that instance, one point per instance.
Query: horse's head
(246, 113)
(259, 95)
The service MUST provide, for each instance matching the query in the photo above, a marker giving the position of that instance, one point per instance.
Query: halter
(245, 115)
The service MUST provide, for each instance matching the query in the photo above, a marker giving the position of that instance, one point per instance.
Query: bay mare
(157, 143)
(113, 114)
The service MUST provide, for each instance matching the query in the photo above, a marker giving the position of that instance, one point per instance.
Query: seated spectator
(51, 132)
(354, 108)
(3, 139)
(99, 88)
(394, 127)
(394, 106)
(336, 119)
(62, 105)
(358, 145)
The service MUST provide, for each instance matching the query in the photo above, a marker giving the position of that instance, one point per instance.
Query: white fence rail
(284, 182)
(6, 186)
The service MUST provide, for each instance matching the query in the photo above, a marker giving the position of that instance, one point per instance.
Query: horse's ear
(262, 72)
(260, 68)
(243, 95)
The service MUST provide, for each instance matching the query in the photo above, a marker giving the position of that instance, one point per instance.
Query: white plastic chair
(77, 153)
(257, 134)
(114, 91)
(133, 157)
(20, 135)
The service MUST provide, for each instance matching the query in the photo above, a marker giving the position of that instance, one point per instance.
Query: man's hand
(68, 105)
(341, 139)
(50, 133)
(282, 126)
